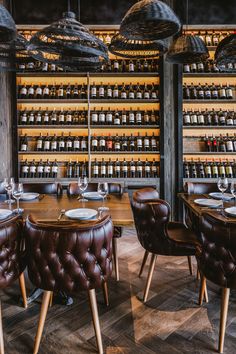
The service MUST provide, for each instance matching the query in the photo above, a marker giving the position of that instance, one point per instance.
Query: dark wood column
(172, 133)
(7, 116)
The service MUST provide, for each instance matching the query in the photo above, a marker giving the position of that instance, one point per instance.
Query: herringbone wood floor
(170, 323)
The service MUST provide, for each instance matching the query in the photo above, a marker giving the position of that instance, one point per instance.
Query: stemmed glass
(9, 185)
(17, 194)
(222, 186)
(83, 185)
(233, 191)
(103, 191)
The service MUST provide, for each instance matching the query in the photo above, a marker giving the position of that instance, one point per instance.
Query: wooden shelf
(53, 127)
(43, 153)
(205, 127)
(124, 127)
(125, 152)
(209, 153)
(60, 101)
(209, 74)
(209, 101)
(125, 101)
(101, 74)
(203, 180)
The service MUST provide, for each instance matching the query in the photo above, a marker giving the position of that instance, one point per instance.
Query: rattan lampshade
(187, 49)
(128, 48)
(66, 43)
(7, 26)
(149, 20)
(11, 51)
(226, 53)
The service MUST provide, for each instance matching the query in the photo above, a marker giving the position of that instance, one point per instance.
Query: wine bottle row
(114, 65)
(97, 91)
(209, 169)
(98, 143)
(98, 117)
(220, 143)
(209, 118)
(208, 66)
(207, 92)
(211, 39)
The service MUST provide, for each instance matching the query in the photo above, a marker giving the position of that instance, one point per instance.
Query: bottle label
(208, 170)
(95, 169)
(110, 170)
(31, 91)
(38, 118)
(53, 67)
(94, 92)
(39, 144)
(229, 121)
(154, 169)
(23, 147)
(40, 169)
(154, 95)
(117, 121)
(229, 170)
(103, 170)
(222, 92)
(131, 117)
(222, 119)
(54, 118)
(69, 118)
(109, 144)
(194, 118)
(102, 142)
(201, 118)
(154, 143)
(214, 93)
(101, 117)
(109, 117)
(61, 144)
(117, 168)
(139, 95)
(76, 144)
(146, 95)
(200, 66)
(25, 169)
(46, 91)
(117, 145)
(139, 142)
(31, 118)
(33, 169)
(124, 118)
(109, 92)
(54, 169)
(61, 118)
(193, 66)
(146, 142)
(24, 118)
(94, 142)
(69, 144)
(229, 92)
(116, 65)
(61, 92)
(132, 168)
(201, 93)
(131, 95)
(46, 145)
(131, 67)
(125, 168)
(186, 68)
(116, 93)
(139, 118)
(222, 170)
(101, 91)
(147, 168)
(208, 93)
(94, 117)
(54, 145)
(23, 91)
(47, 169)
(39, 91)
(229, 145)
(139, 168)
(123, 95)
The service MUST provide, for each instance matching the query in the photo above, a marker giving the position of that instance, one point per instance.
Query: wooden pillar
(171, 138)
(7, 116)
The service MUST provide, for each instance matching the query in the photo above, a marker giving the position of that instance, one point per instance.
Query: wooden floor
(170, 323)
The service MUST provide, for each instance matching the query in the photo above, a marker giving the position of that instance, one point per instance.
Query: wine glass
(17, 194)
(222, 186)
(9, 185)
(103, 191)
(83, 185)
(233, 191)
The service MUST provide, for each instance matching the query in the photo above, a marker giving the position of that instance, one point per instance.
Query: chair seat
(180, 233)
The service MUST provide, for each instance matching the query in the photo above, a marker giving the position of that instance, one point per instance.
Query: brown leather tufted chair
(156, 234)
(70, 258)
(114, 188)
(44, 188)
(217, 262)
(12, 259)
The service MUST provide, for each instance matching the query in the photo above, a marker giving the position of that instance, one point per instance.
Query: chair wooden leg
(149, 278)
(223, 317)
(198, 274)
(23, 289)
(1, 332)
(51, 299)
(105, 293)
(190, 265)
(115, 257)
(202, 290)
(143, 263)
(42, 318)
(95, 317)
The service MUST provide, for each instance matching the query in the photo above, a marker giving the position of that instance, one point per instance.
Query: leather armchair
(114, 188)
(44, 188)
(156, 233)
(216, 261)
(69, 258)
(12, 259)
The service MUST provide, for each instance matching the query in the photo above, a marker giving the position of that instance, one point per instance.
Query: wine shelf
(53, 153)
(204, 180)
(84, 101)
(210, 75)
(204, 127)
(95, 75)
(210, 153)
(61, 127)
(210, 101)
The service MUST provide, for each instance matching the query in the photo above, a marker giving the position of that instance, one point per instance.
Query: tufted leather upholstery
(114, 188)
(217, 259)
(156, 234)
(12, 254)
(69, 257)
(43, 188)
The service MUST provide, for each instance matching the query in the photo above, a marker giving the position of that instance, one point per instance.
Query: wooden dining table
(47, 208)
(197, 210)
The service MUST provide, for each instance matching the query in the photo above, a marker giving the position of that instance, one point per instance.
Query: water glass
(233, 191)
(17, 194)
(9, 185)
(83, 185)
(103, 191)
(222, 186)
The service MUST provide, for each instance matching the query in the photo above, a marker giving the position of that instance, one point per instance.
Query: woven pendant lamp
(11, 52)
(67, 43)
(226, 54)
(149, 20)
(187, 49)
(128, 48)
(7, 26)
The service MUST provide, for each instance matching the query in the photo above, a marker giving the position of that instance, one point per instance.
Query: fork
(61, 214)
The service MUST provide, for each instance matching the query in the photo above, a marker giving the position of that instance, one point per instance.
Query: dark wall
(112, 11)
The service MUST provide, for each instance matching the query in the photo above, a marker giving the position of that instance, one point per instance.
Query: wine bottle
(40, 169)
(103, 169)
(60, 92)
(117, 168)
(110, 169)
(54, 170)
(25, 169)
(24, 143)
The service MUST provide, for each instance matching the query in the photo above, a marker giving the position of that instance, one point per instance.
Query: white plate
(81, 214)
(5, 213)
(231, 211)
(210, 203)
(217, 195)
(92, 195)
(29, 196)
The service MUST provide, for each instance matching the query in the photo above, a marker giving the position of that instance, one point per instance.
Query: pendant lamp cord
(79, 10)
(187, 14)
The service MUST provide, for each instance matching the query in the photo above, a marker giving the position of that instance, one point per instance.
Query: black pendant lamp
(130, 49)
(187, 48)
(12, 52)
(225, 54)
(150, 20)
(7, 26)
(67, 43)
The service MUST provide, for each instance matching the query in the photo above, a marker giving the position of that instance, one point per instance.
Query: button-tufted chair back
(69, 257)
(114, 188)
(43, 188)
(12, 254)
(199, 188)
(217, 261)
